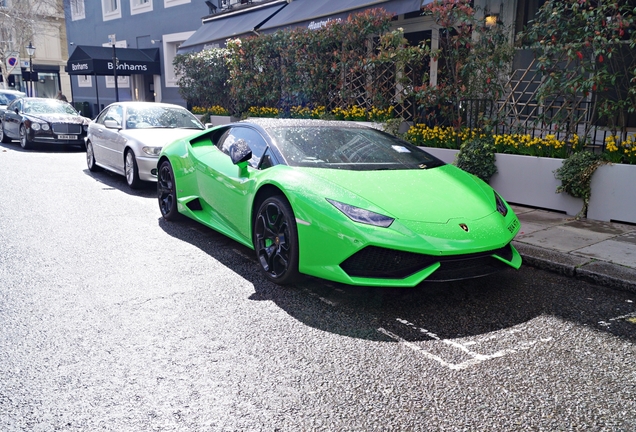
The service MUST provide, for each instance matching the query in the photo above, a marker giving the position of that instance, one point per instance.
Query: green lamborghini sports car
(338, 201)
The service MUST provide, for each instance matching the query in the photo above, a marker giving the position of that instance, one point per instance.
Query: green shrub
(477, 156)
(576, 176)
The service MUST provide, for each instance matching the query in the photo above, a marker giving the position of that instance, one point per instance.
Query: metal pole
(115, 73)
(96, 95)
(31, 73)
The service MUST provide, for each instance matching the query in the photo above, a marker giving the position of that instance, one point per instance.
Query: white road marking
(313, 294)
(244, 255)
(476, 357)
(629, 315)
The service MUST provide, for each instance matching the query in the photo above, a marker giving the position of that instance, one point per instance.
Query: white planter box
(217, 120)
(529, 180)
(445, 155)
(613, 194)
(525, 180)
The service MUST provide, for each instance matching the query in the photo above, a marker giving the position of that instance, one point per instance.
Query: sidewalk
(602, 252)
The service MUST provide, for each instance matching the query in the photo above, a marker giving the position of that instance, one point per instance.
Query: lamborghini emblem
(463, 226)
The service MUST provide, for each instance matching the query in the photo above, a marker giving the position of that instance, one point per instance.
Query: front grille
(66, 128)
(382, 263)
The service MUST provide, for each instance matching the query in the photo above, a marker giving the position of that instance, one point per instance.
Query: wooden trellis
(521, 111)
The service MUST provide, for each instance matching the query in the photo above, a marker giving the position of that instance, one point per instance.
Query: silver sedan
(127, 137)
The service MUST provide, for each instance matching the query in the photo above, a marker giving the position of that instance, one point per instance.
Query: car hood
(158, 136)
(433, 195)
(60, 118)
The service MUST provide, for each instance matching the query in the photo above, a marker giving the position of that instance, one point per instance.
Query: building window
(171, 43)
(171, 3)
(122, 81)
(111, 9)
(140, 6)
(77, 10)
(84, 81)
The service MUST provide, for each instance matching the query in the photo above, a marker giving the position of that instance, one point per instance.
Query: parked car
(126, 137)
(42, 120)
(339, 201)
(6, 96)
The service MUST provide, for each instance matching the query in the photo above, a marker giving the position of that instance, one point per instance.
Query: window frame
(109, 13)
(140, 6)
(78, 10)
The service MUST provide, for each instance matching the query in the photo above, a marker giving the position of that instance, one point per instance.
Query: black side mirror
(240, 152)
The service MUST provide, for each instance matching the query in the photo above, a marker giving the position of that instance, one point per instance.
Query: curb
(599, 272)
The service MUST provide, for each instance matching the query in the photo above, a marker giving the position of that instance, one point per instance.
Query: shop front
(101, 75)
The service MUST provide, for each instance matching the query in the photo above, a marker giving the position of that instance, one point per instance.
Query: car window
(15, 104)
(102, 115)
(267, 160)
(114, 113)
(250, 136)
(6, 98)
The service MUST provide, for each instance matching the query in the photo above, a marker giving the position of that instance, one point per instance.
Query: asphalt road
(112, 319)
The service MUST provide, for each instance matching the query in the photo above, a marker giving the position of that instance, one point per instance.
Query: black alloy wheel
(90, 158)
(131, 170)
(3, 136)
(25, 143)
(276, 240)
(167, 193)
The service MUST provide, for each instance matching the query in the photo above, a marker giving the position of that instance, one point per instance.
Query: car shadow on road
(118, 182)
(43, 148)
(431, 310)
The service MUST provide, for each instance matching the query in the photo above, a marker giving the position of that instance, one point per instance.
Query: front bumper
(147, 166)
(406, 253)
(39, 137)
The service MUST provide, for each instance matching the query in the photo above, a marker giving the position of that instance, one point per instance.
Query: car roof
(15, 92)
(148, 104)
(267, 123)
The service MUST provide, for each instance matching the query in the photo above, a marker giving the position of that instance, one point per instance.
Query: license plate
(67, 137)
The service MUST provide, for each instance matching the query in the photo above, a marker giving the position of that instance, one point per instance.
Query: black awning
(217, 29)
(313, 14)
(97, 60)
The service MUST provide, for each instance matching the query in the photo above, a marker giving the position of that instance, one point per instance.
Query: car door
(107, 141)
(226, 187)
(12, 120)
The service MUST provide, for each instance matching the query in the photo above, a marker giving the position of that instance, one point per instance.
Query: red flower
(579, 55)
(600, 59)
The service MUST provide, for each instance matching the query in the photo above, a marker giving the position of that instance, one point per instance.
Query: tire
(276, 240)
(25, 143)
(90, 158)
(3, 137)
(131, 170)
(167, 192)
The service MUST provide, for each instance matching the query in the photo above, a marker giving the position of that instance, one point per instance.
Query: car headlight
(501, 205)
(361, 215)
(37, 126)
(152, 151)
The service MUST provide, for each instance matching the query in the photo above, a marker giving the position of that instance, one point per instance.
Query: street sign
(14, 63)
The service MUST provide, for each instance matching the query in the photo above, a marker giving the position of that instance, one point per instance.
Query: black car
(42, 120)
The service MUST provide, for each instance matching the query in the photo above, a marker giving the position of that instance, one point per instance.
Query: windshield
(349, 148)
(48, 107)
(161, 117)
